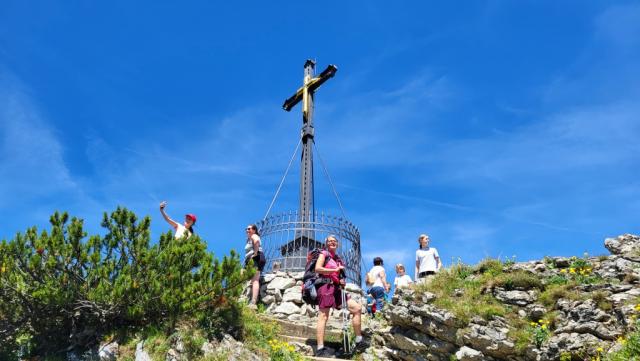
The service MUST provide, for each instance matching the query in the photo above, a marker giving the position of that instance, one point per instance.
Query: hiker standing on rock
(377, 278)
(330, 294)
(253, 253)
(402, 279)
(182, 230)
(427, 260)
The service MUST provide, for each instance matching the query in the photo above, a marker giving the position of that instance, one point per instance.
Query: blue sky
(499, 128)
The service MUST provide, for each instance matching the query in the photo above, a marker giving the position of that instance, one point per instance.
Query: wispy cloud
(31, 155)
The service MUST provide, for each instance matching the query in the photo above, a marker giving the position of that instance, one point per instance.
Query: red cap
(192, 216)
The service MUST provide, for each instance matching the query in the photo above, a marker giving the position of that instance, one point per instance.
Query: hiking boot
(324, 352)
(360, 347)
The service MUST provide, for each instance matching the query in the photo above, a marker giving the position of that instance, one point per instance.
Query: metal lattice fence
(288, 237)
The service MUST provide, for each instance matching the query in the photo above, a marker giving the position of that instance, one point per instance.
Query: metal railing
(288, 237)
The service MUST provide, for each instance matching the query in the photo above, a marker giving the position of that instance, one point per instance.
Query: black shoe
(360, 347)
(323, 352)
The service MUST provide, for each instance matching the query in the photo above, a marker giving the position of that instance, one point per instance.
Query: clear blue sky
(500, 128)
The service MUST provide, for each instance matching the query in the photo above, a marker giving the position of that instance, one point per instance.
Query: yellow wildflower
(621, 340)
(533, 324)
(572, 270)
(544, 327)
(637, 308)
(564, 270)
(600, 349)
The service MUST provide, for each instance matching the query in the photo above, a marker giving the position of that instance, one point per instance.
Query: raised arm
(173, 223)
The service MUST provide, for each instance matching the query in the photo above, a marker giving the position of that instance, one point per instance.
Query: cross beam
(311, 86)
(306, 94)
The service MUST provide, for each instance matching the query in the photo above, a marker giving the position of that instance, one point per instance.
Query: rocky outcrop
(281, 295)
(627, 246)
(591, 316)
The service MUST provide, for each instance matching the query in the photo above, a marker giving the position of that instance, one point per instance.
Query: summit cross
(305, 94)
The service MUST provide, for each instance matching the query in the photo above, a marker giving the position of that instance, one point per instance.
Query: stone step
(304, 331)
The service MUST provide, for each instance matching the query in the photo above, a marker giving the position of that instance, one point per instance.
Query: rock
(627, 245)
(108, 351)
(353, 288)
(433, 321)
(540, 267)
(234, 350)
(468, 354)
(620, 298)
(427, 297)
(281, 283)
(586, 317)
(296, 275)
(293, 294)
(405, 343)
(568, 342)
(302, 348)
(172, 355)
(277, 295)
(269, 277)
(268, 299)
(208, 349)
(141, 354)
(287, 308)
(491, 340)
(535, 311)
(515, 297)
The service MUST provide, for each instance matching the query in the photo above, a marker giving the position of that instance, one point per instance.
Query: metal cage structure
(288, 237)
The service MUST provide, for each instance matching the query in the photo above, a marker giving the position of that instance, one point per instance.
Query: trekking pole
(346, 343)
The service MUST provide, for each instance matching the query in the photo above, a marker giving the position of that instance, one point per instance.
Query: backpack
(312, 280)
(368, 280)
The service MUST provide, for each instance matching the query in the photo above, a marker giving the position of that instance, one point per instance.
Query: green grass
(554, 292)
(518, 280)
(471, 281)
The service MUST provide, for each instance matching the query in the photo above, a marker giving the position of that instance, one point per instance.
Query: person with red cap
(182, 230)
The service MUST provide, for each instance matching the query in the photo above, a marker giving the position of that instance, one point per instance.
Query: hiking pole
(346, 343)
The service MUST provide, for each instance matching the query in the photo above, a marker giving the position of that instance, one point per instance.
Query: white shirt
(181, 231)
(427, 259)
(402, 281)
(375, 274)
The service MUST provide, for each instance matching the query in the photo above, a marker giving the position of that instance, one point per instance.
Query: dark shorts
(259, 261)
(330, 296)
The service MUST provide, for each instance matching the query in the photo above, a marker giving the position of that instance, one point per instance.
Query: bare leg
(255, 287)
(356, 311)
(323, 315)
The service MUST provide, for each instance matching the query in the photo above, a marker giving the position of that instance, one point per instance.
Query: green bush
(518, 280)
(489, 266)
(62, 291)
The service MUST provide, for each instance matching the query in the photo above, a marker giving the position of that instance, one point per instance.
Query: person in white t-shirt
(185, 229)
(427, 260)
(402, 279)
(378, 281)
